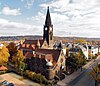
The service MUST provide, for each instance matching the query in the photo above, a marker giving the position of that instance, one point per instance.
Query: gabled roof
(30, 42)
(74, 50)
(3, 68)
(35, 42)
(55, 53)
(26, 48)
(41, 42)
(60, 45)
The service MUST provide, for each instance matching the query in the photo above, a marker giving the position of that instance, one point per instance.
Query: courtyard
(17, 80)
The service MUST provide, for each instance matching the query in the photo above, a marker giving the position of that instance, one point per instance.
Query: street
(84, 79)
(80, 78)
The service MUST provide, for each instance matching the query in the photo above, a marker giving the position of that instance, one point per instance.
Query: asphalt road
(84, 79)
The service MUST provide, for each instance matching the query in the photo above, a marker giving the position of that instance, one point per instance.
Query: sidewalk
(71, 77)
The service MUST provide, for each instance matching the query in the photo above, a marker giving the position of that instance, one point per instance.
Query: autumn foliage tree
(12, 49)
(19, 61)
(4, 55)
(81, 58)
(95, 74)
(67, 51)
(80, 41)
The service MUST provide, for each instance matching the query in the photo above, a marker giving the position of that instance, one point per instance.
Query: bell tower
(48, 30)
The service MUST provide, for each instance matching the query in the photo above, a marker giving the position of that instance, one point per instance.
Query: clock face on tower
(50, 28)
(46, 28)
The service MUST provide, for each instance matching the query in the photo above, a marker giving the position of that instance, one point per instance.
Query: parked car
(6, 83)
(10, 84)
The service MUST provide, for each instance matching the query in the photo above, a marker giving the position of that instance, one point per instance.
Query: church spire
(48, 30)
(48, 18)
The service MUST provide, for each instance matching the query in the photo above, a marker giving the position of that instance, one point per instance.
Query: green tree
(4, 55)
(72, 62)
(22, 67)
(82, 60)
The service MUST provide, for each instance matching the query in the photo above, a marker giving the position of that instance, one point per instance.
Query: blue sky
(69, 17)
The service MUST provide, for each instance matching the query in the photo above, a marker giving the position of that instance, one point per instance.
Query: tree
(82, 60)
(37, 78)
(72, 62)
(95, 74)
(36, 64)
(12, 49)
(19, 61)
(4, 55)
(80, 41)
(22, 67)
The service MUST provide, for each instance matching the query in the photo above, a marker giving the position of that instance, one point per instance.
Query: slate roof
(48, 18)
(74, 50)
(30, 42)
(41, 42)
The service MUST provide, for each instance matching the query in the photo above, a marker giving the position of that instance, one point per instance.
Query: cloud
(8, 11)
(38, 19)
(0, 3)
(75, 17)
(3, 21)
(8, 28)
(69, 18)
(28, 3)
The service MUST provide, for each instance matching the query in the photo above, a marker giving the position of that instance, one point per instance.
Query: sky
(79, 18)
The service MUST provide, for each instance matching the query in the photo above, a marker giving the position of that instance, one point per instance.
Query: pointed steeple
(60, 46)
(48, 18)
(48, 30)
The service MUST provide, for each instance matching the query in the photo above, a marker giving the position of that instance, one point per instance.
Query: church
(47, 41)
(50, 61)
